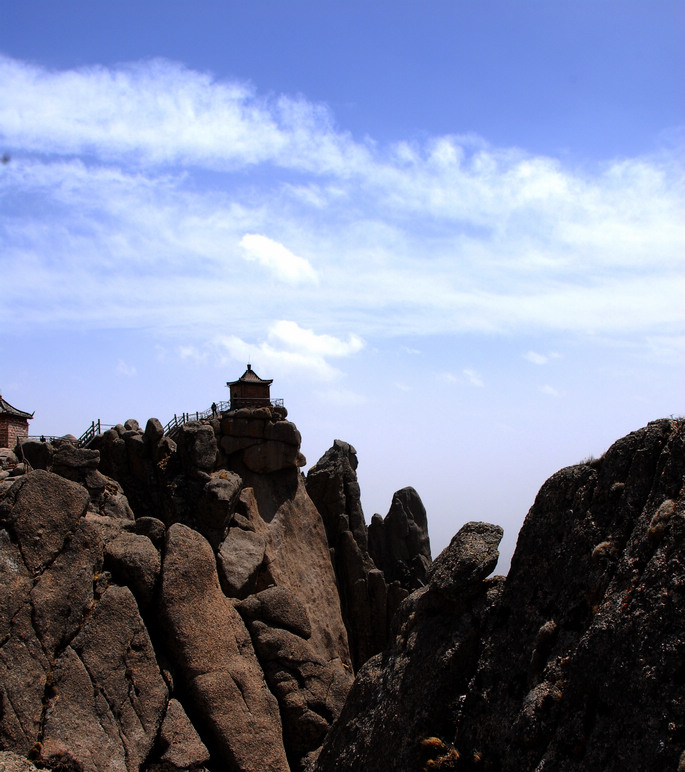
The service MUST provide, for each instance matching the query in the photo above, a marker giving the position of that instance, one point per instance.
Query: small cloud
(535, 358)
(473, 378)
(402, 386)
(547, 389)
(409, 350)
(192, 352)
(125, 369)
(285, 265)
(449, 377)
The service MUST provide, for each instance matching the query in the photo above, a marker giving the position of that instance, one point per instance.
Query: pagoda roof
(7, 409)
(251, 377)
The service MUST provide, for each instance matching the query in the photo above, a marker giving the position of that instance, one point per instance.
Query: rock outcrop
(205, 629)
(575, 661)
(191, 603)
(368, 598)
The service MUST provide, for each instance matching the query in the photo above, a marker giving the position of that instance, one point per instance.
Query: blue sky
(452, 232)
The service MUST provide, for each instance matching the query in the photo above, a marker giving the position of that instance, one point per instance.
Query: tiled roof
(251, 376)
(7, 409)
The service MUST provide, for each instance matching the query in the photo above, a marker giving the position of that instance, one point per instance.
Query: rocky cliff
(195, 603)
(575, 661)
(172, 603)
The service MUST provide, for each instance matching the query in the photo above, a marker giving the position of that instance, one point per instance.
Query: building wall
(12, 427)
(247, 394)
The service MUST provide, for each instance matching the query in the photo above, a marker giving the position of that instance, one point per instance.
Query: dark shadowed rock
(470, 557)
(399, 545)
(574, 662)
(279, 607)
(310, 690)
(196, 447)
(367, 603)
(38, 454)
(151, 527)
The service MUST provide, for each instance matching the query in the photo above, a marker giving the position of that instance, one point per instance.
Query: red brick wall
(11, 428)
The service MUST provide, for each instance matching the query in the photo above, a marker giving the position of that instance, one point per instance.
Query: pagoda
(250, 390)
(14, 424)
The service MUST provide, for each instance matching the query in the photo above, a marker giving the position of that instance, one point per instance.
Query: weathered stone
(23, 664)
(333, 486)
(135, 563)
(470, 557)
(72, 462)
(43, 510)
(239, 559)
(11, 762)
(63, 593)
(8, 458)
(38, 454)
(219, 497)
(310, 691)
(270, 456)
(574, 662)
(109, 696)
(279, 607)
(154, 431)
(225, 682)
(399, 545)
(283, 431)
(181, 746)
(231, 444)
(151, 527)
(196, 446)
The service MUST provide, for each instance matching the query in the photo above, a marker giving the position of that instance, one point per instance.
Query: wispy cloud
(473, 378)
(291, 347)
(281, 261)
(535, 358)
(105, 206)
(123, 368)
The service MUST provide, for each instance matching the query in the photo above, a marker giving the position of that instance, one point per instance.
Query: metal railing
(171, 427)
(177, 421)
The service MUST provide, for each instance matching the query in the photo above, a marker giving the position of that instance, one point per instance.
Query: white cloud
(159, 112)
(473, 377)
(290, 348)
(123, 368)
(104, 207)
(307, 341)
(281, 261)
(535, 358)
(551, 391)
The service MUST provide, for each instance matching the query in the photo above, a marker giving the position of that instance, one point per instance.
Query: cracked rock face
(121, 647)
(575, 661)
(181, 607)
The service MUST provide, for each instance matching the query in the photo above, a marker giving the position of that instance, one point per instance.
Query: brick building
(13, 423)
(250, 390)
